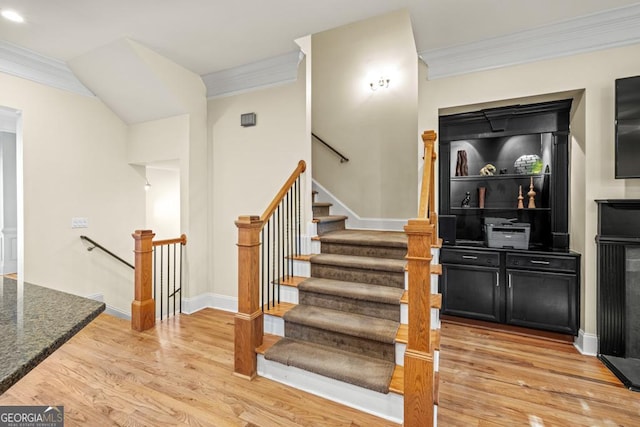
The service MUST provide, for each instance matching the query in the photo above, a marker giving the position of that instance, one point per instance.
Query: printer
(505, 234)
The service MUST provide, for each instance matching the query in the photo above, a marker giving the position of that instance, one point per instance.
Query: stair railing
(146, 272)
(326, 144)
(105, 250)
(266, 244)
(420, 386)
(167, 274)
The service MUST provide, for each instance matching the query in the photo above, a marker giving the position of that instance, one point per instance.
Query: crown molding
(32, 66)
(603, 30)
(268, 72)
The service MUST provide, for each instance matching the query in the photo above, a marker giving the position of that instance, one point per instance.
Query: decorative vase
(462, 168)
(482, 191)
(520, 198)
(532, 195)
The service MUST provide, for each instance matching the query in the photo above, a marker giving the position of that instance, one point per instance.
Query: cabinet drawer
(543, 262)
(470, 257)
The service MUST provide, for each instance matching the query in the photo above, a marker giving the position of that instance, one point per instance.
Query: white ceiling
(205, 36)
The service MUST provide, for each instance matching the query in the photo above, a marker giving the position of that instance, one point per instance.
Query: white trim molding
(209, 300)
(586, 343)
(267, 72)
(112, 311)
(602, 30)
(353, 219)
(24, 63)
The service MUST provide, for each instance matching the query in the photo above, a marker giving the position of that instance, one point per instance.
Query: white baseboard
(112, 311)
(388, 406)
(209, 300)
(586, 344)
(355, 221)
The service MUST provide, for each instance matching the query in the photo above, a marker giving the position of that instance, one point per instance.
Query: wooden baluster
(249, 325)
(143, 307)
(418, 359)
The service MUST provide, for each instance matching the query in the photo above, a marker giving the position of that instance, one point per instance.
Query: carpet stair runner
(347, 319)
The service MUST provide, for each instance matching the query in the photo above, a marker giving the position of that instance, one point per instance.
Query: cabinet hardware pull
(509, 281)
(497, 279)
(533, 261)
(469, 257)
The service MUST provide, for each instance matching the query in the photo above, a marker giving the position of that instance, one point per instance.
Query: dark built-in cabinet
(536, 286)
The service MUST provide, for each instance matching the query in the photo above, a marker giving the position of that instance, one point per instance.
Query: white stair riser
(388, 406)
(288, 294)
(314, 247)
(273, 325)
(400, 349)
(301, 268)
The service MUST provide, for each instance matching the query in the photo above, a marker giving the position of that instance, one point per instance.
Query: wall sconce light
(147, 186)
(382, 82)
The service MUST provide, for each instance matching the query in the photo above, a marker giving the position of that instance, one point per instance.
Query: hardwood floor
(490, 378)
(180, 373)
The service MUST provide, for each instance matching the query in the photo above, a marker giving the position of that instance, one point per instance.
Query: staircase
(338, 323)
(344, 322)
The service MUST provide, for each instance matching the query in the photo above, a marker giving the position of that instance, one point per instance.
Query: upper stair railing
(265, 244)
(326, 144)
(156, 266)
(420, 391)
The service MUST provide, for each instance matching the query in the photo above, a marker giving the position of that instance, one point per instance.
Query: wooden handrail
(182, 240)
(249, 320)
(302, 166)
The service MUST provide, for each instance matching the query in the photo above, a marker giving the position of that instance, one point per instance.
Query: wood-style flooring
(490, 378)
(180, 373)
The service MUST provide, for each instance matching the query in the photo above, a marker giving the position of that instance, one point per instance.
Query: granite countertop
(34, 322)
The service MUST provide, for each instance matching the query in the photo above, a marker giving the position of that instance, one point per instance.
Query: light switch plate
(79, 222)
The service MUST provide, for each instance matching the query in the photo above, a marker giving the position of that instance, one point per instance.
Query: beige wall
(75, 165)
(158, 140)
(163, 202)
(251, 164)
(590, 78)
(184, 136)
(375, 130)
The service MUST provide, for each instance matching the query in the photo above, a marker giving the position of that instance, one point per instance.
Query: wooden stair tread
(403, 334)
(267, 341)
(278, 310)
(405, 298)
(292, 281)
(435, 300)
(305, 257)
(397, 381)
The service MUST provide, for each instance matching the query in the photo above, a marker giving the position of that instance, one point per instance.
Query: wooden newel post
(143, 307)
(418, 359)
(249, 327)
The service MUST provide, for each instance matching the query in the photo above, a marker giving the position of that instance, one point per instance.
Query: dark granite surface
(34, 322)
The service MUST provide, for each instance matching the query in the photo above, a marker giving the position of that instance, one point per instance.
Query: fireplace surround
(618, 306)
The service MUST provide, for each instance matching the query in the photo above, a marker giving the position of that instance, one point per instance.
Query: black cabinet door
(471, 291)
(542, 300)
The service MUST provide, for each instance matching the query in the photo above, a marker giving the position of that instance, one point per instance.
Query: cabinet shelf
(498, 177)
(457, 209)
